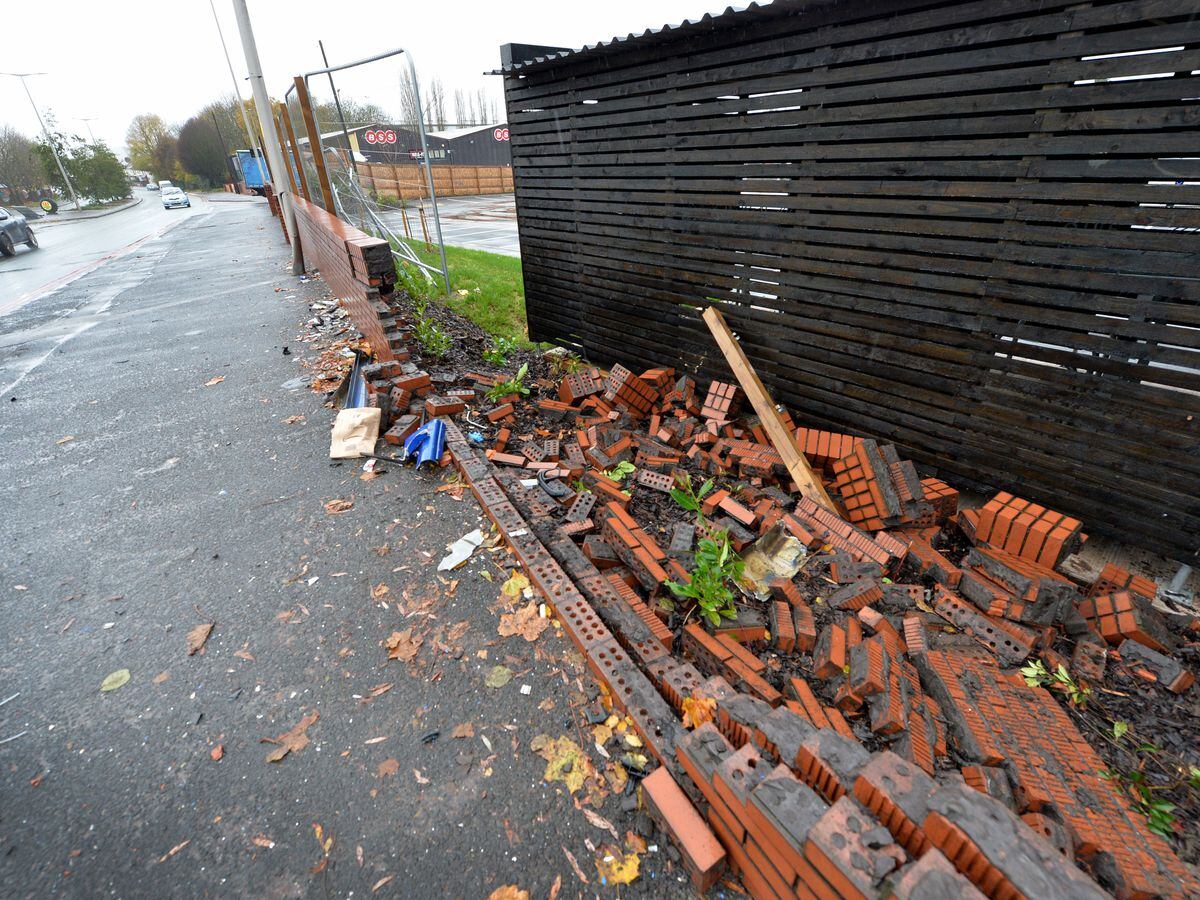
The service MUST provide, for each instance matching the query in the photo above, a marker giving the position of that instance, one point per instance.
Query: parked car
(152, 186)
(173, 198)
(14, 229)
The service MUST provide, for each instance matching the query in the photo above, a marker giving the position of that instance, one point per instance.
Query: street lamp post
(88, 124)
(53, 147)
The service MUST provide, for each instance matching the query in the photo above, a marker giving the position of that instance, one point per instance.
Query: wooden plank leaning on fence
(314, 143)
(783, 440)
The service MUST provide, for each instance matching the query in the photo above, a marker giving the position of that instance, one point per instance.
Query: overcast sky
(111, 61)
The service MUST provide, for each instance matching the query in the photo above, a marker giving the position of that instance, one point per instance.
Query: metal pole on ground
(53, 147)
(262, 107)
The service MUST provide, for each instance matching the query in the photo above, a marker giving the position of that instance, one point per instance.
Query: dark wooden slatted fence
(969, 228)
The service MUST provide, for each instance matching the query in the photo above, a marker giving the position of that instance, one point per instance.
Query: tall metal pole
(437, 220)
(338, 103)
(46, 133)
(262, 106)
(251, 135)
(88, 124)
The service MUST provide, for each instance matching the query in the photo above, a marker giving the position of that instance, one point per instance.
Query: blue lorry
(253, 169)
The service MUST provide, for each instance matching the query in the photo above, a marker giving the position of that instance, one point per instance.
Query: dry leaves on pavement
(217, 752)
(198, 636)
(293, 740)
(217, 380)
(465, 730)
(403, 645)
(526, 622)
(333, 507)
(388, 767)
(508, 892)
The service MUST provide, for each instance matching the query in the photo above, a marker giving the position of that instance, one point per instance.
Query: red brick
(703, 856)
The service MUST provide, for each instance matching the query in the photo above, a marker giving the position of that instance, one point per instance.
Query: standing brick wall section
(359, 271)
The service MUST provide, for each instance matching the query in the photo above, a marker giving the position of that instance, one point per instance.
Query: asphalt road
(477, 223)
(73, 248)
(138, 503)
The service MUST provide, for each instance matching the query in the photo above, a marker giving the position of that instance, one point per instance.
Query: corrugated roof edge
(731, 13)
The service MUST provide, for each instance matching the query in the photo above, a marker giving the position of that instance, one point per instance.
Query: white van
(163, 185)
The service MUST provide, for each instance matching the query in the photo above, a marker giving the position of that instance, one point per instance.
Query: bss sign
(500, 134)
(381, 137)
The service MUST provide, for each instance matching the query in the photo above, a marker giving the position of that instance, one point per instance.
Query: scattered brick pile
(856, 748)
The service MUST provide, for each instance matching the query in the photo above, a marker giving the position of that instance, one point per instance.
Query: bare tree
(436, 103)
(460, 107)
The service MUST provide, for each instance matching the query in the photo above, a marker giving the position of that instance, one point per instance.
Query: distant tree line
(29, 172)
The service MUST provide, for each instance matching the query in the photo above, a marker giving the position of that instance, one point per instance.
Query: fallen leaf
(421, 779)
(515, 586)
(526, 622)
(377, 691)
(698, 710)
(174, 850)
(403, 645)
(498, 677)
(556, 887)
(369, 476)
(465, 730)
(197, 637)
(333, 507)
(574, 865)
(217, 752)
(633, 740)
(566, 762)
(376, 740)
(616, 867)
(601, 734)
(67, 439)
(635, 842)
(546, 705)
(243, 654)
(217, 380)
(508, 892)
(293, 740)
(380, 591)
(616, 776)
(115, 680)
(457, 631)
(381, 882)
(261, 840)
(358, 854)
(161, 677)
(294, 420)
(600, 822)
(388, 767)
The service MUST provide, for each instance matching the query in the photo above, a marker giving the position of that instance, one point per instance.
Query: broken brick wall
(949, 226)
(358, 269)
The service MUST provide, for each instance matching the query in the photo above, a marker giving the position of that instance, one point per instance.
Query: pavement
(479, 223)
(142, 497)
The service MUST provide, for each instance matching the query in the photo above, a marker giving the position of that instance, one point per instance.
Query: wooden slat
(966, 227)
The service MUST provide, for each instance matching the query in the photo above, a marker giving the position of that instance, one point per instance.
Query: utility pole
(88, 124)
(251, 134)
(262, 106)
(46, 132)
(225, 149)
